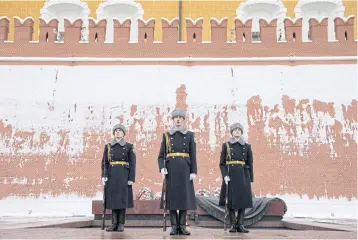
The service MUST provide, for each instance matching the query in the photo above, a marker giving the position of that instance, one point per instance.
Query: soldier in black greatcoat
(236, 165)
(177, 164)
(118, 173)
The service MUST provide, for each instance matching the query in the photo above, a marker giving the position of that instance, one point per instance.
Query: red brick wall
(316, 172)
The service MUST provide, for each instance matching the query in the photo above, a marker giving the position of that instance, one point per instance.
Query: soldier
(118, 172)
(236, 165)
(177, 164)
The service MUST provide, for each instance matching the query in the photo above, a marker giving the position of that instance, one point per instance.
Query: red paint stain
(350, 112)
(288, 104)
(319, 106)
(133, 110)
(181, 96)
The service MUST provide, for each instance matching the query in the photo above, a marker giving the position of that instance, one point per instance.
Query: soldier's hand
(104, 180)
(164, 171)
(192, 176)
(226, 179)
(130, 183)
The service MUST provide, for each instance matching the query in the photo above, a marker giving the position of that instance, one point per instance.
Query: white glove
(192, 176)
(226, 179)
(130, 183)
(104, 180)
(164, 171)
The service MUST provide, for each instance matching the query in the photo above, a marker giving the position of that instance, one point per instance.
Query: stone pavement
(33, 222)
(157, 233)
(80, 228)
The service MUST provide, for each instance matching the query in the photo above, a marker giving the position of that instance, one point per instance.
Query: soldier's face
(118, 133)
(237, 133)
(178, 121)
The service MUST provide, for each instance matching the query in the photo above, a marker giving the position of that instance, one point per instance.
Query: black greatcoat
(119, 194)
(241, 176)
(180, 190)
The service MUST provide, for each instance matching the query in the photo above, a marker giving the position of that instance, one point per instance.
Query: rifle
(164, 204)
(104, 206)
(228, 157)
(226, 201)
(164, 189)
(105, 187)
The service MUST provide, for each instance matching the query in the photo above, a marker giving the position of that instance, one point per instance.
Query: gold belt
(242, 162)
(178, 154)
(119, 162)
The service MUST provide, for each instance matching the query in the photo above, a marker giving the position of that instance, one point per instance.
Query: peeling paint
(298, 125)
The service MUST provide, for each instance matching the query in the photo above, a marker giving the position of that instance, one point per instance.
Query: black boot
(174, 222)
(121, 219)
(114, 225)
(232, 220)
(240, 221)
(182, 223)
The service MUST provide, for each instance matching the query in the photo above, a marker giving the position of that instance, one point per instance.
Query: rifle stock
(226, 206)
(164, 190)
(164, 205)
(228, 157)
(105, 187)
(104, 207)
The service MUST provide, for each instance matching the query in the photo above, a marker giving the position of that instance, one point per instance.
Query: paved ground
(40, 228)
(7, 223)
(150, 233)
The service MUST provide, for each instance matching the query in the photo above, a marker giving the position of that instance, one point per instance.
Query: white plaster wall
(27, 91)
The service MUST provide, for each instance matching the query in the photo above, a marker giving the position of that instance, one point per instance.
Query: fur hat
(235, 126)
(119, 126)
(178, 113)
